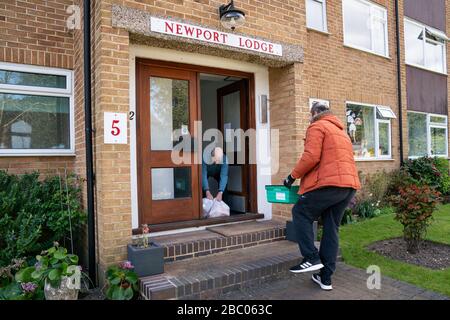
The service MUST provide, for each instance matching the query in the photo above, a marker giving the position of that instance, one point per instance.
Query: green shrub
(348, 217)
(122, 282)
(34, 213)
(433, 172)
(414, 208)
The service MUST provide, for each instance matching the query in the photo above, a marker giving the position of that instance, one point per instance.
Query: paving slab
(349, 283)
(246, 227)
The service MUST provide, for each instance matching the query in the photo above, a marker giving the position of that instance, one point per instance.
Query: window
(426, 52)
(365, 26)
(316, 15)
(311, 102)
(427, 135)
(36, 111)
(369, 130)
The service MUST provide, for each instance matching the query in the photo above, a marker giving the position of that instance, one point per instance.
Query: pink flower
(126, 265)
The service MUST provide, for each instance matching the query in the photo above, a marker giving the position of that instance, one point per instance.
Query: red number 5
(116, 130)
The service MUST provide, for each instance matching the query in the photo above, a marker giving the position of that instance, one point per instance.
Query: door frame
(253, 200)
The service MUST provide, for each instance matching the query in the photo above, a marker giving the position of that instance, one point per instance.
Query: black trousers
(330, 204)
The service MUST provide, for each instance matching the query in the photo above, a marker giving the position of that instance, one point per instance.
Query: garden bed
(432, 255)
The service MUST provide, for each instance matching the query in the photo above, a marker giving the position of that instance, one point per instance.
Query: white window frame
(431, 125)
(312, 100)
(386, 28)
(324, 16)
(436, 32)
(377, 136)
(42, 91)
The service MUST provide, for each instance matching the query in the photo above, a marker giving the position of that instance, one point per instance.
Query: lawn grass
(354, 238)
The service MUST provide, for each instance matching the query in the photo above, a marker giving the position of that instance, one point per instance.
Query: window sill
(367, 51)
(10, 155)
(425, 69)
(325, 33)
(373, 159)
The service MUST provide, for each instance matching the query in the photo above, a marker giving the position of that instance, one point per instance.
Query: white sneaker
(324, 286)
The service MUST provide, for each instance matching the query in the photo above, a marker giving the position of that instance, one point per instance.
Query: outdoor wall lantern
(230, 17)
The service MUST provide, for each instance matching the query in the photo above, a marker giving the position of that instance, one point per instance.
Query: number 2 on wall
(115, 130)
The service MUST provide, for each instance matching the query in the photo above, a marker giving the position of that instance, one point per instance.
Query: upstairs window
(36, 111)
(365, 26)
(425, 47)
(316, 15)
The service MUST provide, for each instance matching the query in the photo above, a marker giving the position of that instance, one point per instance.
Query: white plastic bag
(219, 209)
(207, 205)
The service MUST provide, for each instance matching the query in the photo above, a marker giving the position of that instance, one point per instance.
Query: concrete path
(349, 283)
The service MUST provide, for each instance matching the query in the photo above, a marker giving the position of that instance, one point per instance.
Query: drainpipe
(88, 136)
(399, 80)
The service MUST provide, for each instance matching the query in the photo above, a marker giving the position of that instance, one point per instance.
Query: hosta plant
(122, 282)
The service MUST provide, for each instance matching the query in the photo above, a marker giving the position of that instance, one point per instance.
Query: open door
(166, 101)
(232, 102)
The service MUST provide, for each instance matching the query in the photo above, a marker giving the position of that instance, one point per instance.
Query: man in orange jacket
(329, 180)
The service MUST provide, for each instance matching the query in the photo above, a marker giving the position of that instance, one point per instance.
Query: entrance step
(218, 239)
(210, 276)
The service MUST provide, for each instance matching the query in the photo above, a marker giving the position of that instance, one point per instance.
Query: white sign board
(115, 128)
(184, 30)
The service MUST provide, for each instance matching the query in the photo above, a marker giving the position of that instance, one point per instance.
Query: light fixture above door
(230, 17)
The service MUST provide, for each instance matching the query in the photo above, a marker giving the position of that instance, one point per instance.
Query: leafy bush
(348, 217)
(433, 172)
(11, 289)
(52, 265)
(414, 208)
(122, 282)
(34, 213)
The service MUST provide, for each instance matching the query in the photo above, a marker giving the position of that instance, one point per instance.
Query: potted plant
(57, 271)
(147, 257)
(122, 282)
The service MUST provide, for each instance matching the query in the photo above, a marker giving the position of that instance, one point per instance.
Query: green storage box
(281, 194)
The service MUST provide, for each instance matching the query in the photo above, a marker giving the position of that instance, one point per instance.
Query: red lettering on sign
(216, 36)
(115, 130)
(179, 29)
(189, 30)
(271, 48)
(199, 33)
(207, 35)
(224, 37)
(169, 27)
(264, 46)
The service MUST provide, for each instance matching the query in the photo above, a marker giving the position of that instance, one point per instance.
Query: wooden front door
(166, 102)
(233, 110)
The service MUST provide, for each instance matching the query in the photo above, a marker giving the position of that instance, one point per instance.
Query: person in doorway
(329, 180)
(217, 169)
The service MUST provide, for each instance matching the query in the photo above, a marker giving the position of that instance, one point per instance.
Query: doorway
(173, 96)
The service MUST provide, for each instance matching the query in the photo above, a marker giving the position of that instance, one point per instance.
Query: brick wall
(34, 32)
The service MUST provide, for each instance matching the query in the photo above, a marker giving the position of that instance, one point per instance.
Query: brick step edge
(182, 251)
(210, 285)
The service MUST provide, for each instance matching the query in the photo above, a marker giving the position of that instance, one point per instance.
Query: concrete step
(210, 276)
(218, 239)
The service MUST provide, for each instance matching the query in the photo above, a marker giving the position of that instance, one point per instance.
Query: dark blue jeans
(330, 204)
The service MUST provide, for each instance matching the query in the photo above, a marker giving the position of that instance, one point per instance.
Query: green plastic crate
(281, 194)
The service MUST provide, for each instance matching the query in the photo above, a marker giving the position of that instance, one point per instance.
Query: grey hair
(319, 107)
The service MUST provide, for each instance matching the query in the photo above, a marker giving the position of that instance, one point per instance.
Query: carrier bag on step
(219, 209)
(207, 205)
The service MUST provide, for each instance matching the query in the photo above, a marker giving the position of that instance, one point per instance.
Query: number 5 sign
(115, 128)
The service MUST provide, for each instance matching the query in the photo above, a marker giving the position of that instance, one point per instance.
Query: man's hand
(288, 181)
(219, 196)
(209, 195)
